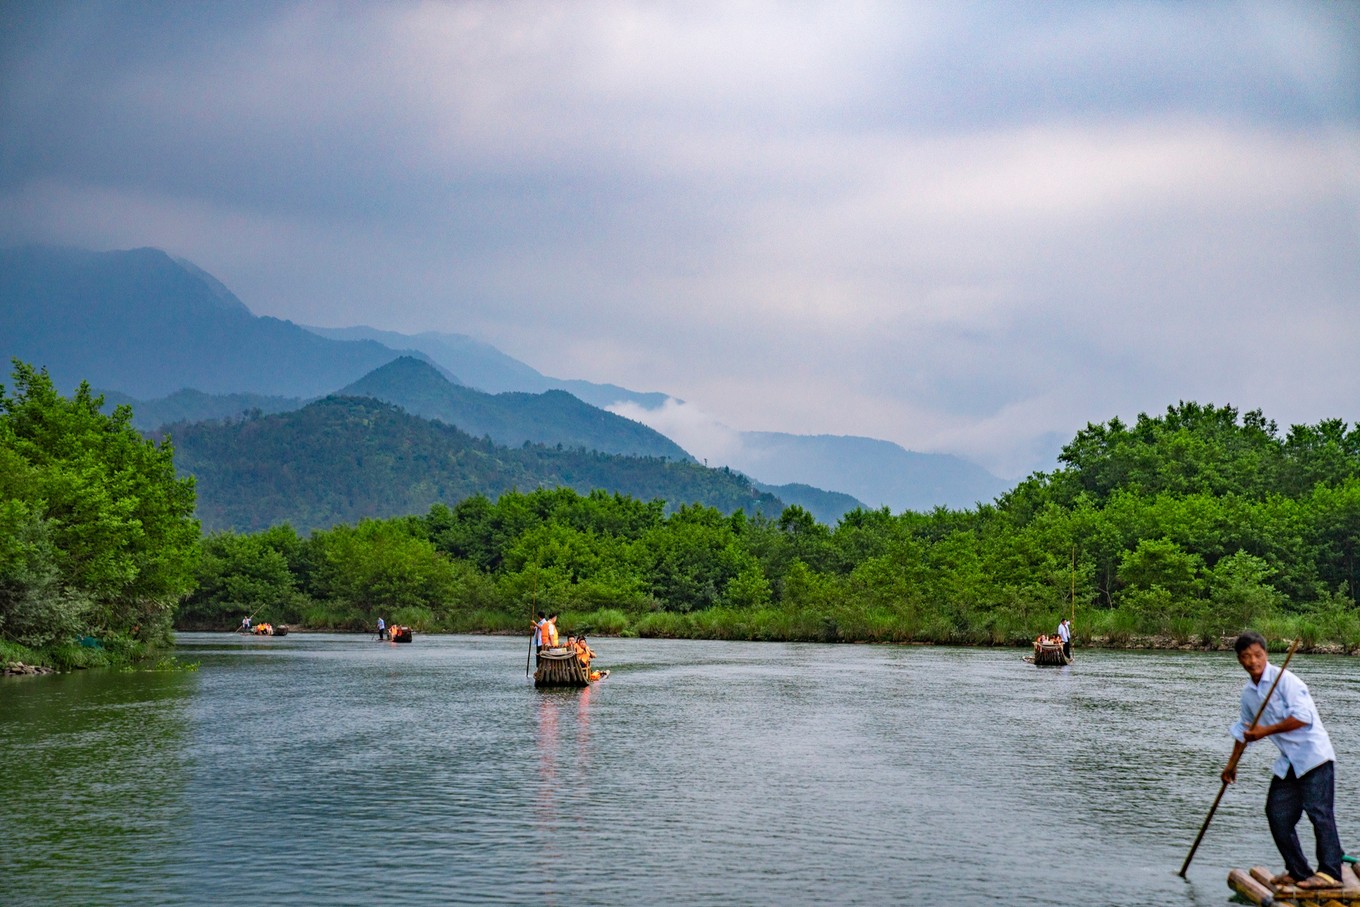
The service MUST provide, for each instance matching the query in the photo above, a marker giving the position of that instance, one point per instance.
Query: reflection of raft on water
(1256, 886)
(561, 667)
(1048, 652)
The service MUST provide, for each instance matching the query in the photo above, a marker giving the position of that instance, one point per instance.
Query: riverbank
(1121, 642)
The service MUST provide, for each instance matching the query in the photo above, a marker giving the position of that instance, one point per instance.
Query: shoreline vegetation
(1096, 643)
(1177, 531)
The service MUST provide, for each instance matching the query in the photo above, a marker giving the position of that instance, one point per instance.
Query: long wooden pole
(1238, 750)
(252, 617)
(1074, 584)
(532, 603)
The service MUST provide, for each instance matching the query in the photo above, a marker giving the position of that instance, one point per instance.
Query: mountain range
(148, 325)
(344, 459)
(160, 333)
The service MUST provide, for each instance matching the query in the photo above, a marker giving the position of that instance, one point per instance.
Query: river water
(332, 769)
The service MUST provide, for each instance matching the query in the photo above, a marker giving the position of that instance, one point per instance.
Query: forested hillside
(343, 459)
(552, 417)
(1187, 526)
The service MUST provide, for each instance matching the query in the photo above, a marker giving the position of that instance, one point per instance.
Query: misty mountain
(147, 324)
(879, 473)
(553, 417)
(342, 459)
(144, 324)
(827, 506)
(486, 368)
(196, 406)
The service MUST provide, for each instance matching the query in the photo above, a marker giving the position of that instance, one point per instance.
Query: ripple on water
(324, 769)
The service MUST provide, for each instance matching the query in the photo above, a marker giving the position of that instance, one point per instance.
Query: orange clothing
(552, 632)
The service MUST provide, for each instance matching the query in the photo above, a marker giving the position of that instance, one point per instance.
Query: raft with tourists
(1258, 886)
(563, 666)
(557, 665)
(1055, 651)
(1049, 653)
(399, 634)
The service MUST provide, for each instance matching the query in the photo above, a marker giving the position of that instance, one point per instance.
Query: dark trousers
(1289, 798)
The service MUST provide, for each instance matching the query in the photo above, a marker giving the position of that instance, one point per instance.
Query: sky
(968, 228)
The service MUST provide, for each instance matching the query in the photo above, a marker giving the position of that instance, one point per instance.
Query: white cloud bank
(968, 228)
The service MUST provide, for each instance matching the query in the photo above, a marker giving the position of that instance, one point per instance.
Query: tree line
(1188, 526)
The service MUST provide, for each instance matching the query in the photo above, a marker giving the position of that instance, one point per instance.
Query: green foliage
(97, 535)
(1185, 527)
(344, 459)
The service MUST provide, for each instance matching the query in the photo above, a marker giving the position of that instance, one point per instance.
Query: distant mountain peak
(146, 323)
(407, 373)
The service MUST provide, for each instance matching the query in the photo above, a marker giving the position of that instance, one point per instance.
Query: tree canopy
(97, 534)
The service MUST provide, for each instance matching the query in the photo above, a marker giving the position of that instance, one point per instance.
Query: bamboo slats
(1049, 654)
(560, 667)
(1256, 886)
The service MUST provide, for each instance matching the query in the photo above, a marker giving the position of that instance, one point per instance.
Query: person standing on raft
(1065, 634)
(1304, 774)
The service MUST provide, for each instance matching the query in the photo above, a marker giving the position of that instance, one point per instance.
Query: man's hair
(1247, 640)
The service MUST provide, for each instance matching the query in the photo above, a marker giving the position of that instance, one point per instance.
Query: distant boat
(268, 630)
(1048, 652)
(400, 634)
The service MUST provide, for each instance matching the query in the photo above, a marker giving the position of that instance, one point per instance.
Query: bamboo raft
(560, 667)
(1048, 653)
(1255, 886)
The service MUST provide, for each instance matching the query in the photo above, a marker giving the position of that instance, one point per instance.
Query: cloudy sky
(966, 228)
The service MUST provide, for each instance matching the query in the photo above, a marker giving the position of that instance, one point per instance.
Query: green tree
(106, 538)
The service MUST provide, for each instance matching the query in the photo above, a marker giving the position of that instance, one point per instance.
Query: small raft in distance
(400, 634)
(1255, 885)
(1048, 653)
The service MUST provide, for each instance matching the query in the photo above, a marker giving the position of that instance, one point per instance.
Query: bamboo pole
(1238, 750)
(1250, 888)
(532, 633)
(1071, 629)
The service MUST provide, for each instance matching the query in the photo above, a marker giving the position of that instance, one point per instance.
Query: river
(332, 769)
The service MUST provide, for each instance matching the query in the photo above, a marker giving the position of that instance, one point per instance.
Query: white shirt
(1063, 632)
(1304, 748)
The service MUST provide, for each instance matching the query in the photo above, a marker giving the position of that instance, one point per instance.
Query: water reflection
(95, 771)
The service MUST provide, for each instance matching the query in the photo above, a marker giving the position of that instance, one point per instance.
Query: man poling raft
(1276, 704)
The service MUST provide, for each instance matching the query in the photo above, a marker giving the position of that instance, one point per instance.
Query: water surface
(330, 769)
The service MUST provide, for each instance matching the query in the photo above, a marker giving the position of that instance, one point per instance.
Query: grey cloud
(962, 227)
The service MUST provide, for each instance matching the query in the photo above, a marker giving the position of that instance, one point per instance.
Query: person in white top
(1065, 634)
(1305, 772)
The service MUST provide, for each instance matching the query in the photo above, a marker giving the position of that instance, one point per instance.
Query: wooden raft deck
(1254, 885)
